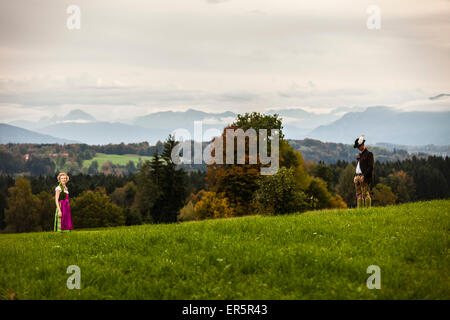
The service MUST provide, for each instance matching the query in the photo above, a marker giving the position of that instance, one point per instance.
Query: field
(115, 159)
(314, 255)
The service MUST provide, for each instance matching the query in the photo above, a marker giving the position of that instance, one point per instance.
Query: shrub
(94, 209)
(22, 213)
(383, 195)
(318, 192)
(187, 213)
(346, 188)
(133, 217)
(336, 202)
(212, 205)
(279, 194)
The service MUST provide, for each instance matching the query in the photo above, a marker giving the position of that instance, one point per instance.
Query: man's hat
(359, 141)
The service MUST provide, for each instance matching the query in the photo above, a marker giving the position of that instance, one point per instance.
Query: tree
(430, 183)
(382, 195)
(187, 213)
(401, 184)
(196, 181)
(39, 165)
(22, 213)
(173, 185)
(93, 167)
(212, 205)
(108, 168)
(124, 196)
(133, 217)
(94, 209)
(46, 210)
(131, 168)
(258, 121)
(60, 162)
(280, 194)
(161, 187)
(239, 182)
(321, 170)
(301, 175)
(318, 194)
(345, 187)
(148, 191)
(6, 182)
(336, 201)
(9, 162)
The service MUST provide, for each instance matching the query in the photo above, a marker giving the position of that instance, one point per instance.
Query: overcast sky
(135, 57)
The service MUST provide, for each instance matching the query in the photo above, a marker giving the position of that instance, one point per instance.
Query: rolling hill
(314, 255)
(330, 152)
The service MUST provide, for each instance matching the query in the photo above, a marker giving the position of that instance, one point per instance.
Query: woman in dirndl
(63, 217)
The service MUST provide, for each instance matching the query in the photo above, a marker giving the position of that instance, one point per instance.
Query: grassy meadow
(314, 255)
(122, 160)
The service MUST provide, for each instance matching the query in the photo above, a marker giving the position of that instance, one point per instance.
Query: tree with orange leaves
(239, 182)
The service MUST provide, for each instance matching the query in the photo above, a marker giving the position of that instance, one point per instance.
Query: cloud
(243, 56)
(442, 104)
(88, 90)
(217, 1)
(218, 121)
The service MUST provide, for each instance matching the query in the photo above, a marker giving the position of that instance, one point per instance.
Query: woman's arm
(57, 202)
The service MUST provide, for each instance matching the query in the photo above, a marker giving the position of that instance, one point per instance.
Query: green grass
(315, 255)
(115, 158)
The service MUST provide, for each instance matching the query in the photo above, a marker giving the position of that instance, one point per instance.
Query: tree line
(47, 159)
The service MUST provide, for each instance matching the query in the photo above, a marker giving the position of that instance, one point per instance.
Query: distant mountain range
(12, 134)
(81, 126)
(383, 124)
(342, 125)
(104, 132)
(182, 119)
(76, 115)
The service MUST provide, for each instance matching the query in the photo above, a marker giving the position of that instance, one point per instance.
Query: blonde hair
(62, 174)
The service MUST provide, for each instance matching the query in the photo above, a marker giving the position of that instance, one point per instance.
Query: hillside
(314, 255)
(330, 152)
(101, 158)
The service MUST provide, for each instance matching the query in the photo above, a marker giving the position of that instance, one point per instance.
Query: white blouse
(59, 188)
(358, 169)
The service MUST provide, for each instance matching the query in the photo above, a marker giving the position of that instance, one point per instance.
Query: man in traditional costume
(364, 174)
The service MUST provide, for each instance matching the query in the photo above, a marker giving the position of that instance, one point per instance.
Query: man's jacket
(365, 159)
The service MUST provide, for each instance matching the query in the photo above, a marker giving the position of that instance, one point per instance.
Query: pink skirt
(66, 219)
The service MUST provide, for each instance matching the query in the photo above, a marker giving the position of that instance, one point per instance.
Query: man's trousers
(362, 192)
